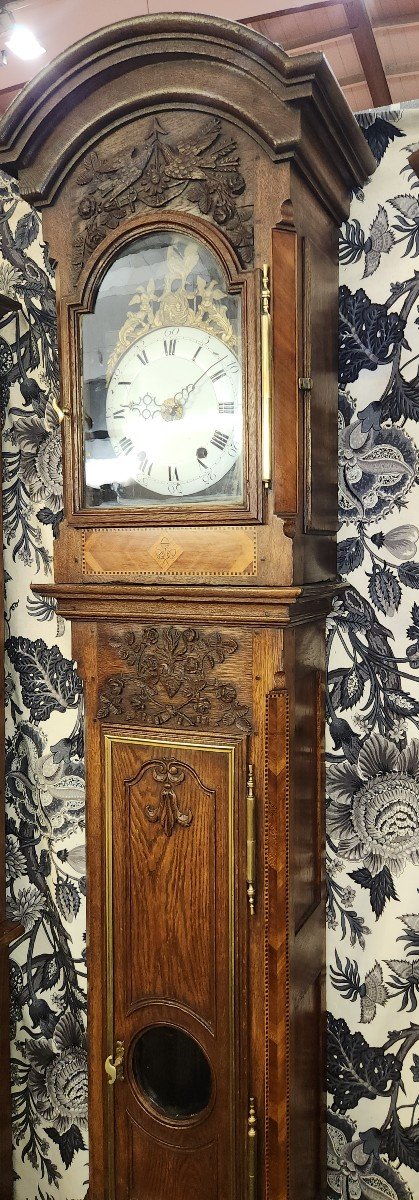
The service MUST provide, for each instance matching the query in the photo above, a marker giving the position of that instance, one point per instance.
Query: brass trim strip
(251, 1151)
(109, 961)
(251, 841)
(266, 367)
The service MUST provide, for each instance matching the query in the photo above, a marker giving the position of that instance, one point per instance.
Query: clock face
(163, 380)
(173, 411)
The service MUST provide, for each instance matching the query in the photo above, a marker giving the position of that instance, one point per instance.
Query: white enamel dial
(174, 411)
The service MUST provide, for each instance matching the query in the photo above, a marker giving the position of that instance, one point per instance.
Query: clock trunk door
(177, 967)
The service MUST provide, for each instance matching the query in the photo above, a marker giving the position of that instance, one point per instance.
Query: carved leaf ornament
(173, 681)
(204, 168)
(167, 812)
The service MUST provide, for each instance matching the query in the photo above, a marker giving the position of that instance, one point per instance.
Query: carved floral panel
(200, 171)
(172, 680)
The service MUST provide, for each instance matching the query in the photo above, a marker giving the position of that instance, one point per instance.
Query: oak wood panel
(176, 1171)
(307, 1112)
(320, 349)
(278, 1068)
(202, 552)
(178, 868)
(166, 888)
(304, 647)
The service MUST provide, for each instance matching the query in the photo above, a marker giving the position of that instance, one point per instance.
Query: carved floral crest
(203, 167)
(173, 682)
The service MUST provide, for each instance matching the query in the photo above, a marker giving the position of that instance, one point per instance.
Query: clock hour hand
(147, 406)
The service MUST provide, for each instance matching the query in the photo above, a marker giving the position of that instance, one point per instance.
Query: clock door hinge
(251, 1151)
(266, 367)
(305, 383)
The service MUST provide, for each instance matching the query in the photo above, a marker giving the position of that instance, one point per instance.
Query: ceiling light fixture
(23, 43)
(18, 38)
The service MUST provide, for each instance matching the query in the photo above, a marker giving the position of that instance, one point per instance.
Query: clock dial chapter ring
(174, 411)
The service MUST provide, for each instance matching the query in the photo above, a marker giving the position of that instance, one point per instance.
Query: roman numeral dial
(174, 416)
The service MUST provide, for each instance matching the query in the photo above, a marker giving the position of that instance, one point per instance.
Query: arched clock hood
(235, 73)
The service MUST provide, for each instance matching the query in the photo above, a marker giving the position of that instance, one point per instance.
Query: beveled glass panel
(172, 1071)
(162, 379)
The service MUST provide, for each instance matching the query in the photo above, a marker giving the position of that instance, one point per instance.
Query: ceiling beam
(402, 21)
(328, 35)
(362, 33)
(406, 72)
(296, 10)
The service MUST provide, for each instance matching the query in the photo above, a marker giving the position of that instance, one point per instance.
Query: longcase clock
(192, 179)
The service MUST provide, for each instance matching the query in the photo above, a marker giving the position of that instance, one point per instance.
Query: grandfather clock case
(192, 178)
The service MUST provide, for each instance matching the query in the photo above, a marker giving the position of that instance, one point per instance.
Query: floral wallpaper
(373, 713)
(44, 748)
(373, 691)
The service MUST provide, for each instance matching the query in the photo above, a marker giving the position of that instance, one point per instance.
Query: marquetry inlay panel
(223, 550)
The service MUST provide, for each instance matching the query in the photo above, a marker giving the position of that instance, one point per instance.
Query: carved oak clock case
(192, 179)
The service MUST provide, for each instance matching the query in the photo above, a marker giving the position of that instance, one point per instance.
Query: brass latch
(60, 412)
(251, 842)
(114, 1067)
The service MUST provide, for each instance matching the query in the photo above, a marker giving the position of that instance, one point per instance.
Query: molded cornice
(184, 61)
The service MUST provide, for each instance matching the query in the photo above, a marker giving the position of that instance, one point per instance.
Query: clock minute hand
(174, 407)
(190, 387)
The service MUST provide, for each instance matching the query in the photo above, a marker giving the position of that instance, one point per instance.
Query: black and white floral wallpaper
(44, 747)
(373, 692)
(373, 713)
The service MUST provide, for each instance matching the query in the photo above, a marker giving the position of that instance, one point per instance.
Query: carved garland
(204, 168)
(173, 682)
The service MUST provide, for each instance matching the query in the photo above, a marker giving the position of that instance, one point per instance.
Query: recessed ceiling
(372, 45)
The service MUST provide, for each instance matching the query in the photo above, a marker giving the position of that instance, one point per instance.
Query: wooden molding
(43, 152)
